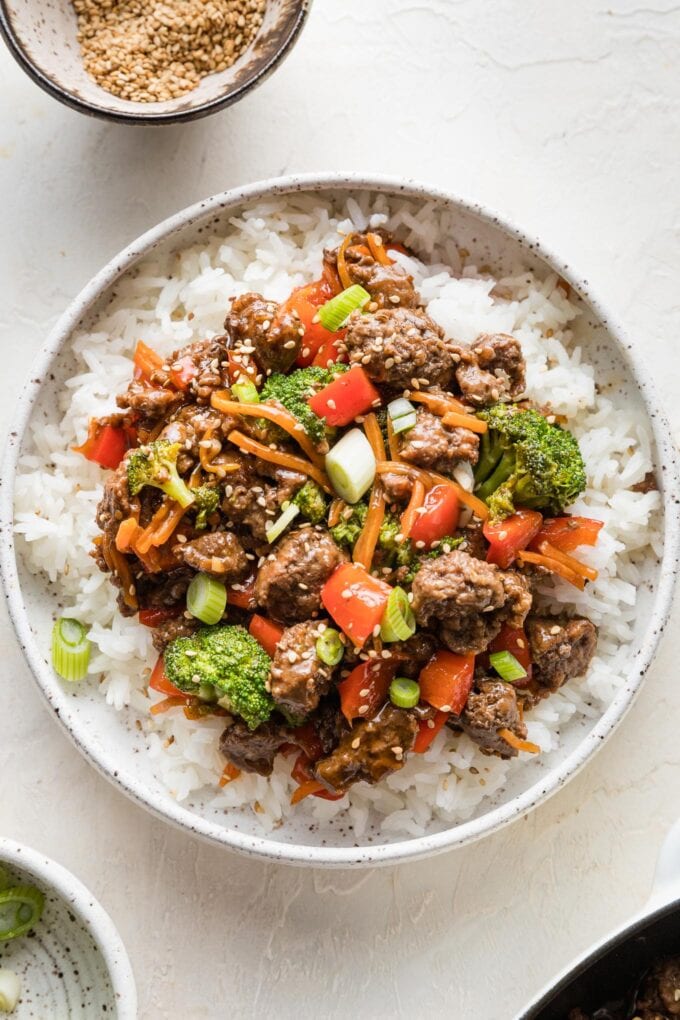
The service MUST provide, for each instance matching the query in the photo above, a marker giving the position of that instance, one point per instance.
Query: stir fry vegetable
(398, 622)
(70, 649)
(337, 311)
(21, 908)
(356, 601)
(156, 465)
(206, 598)
(329, 647)
(349, 395)
(446, 681)
(350, 465)
(10, 990)
(404, 693)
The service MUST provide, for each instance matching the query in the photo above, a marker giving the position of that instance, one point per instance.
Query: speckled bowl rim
(150, 119)
(89, 911)
(260, 846)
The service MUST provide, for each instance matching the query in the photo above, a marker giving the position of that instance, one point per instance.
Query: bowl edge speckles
(332, 856)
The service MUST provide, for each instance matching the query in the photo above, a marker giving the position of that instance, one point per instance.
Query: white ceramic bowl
(110, 741)
(73, 964)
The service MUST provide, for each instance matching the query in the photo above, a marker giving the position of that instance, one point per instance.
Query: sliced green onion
(402, 413)
(206, 692)
(6, 879)
(351, 466)
(337, 311)
(507, 666)
(70, 649)
(245, 391)
(404, 693)
(329, 647)
(206, 599)
(21, 908)
(398, 622)
(10, 990)
(281, 523)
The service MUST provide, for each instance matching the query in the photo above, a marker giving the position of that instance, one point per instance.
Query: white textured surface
(564, 116)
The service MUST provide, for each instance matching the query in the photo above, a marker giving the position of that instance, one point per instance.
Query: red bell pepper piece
(428, 730)
(155, 617)
(305, 302)
(243, 597)
(446, 681)
(266, 632)
(352, 393)
(241, 369)
(158, 681)
(147, 361)
(366, 688)
(328, 353)
(567, 533)
(182, 372)
(515, 641)
(511, 535)
(439, 517)
(307, 784)
(307, 738)
(355, 600)
(105, 445)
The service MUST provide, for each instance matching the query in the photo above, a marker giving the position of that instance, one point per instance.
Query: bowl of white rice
(476, 274)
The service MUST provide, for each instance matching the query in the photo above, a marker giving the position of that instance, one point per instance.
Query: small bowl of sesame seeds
(137, 62)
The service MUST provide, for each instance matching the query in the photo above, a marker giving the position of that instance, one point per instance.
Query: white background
(564, 116)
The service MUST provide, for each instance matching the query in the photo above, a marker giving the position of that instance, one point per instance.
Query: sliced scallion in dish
(10, 990)
(329, 647)
(206, 599)
(335, 313)
(404, 693)
(507, 666)
(398, 622)
(289, 514)
(245, 391)
(21, 908)
(350, 465)
(402, 414)
(70, 649)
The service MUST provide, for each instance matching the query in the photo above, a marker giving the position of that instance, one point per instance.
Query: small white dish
(113, 744)
(72, 964)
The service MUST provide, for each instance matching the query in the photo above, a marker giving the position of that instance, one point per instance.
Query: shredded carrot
(520, 745)
(374, 436)
(284, 419)
(430, 478)
(119, 565)
(125, 535)
(438, 403)
(410, 514)
(377, 249)
(465, 421)
(312, 786)
(343, 272)
(392, 440)
(175, 701)
(161, 526)
(364, 547)
(569, 561)
(554, 566)
(287, 460)
(229, 774)
(335, 512)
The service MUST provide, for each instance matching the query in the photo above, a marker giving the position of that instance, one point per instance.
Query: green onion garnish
(70, 649)
(402, 414)
(329, 647)
(245, 391)
(206, 599)
(20, 909)
(10, 990)
(507, 666)
(404, 693)
(281, 523)
(398, 622)
(337, 311)
(351, 466)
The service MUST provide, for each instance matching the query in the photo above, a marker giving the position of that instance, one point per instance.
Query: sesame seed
(292, 656)
(331, 403)
(430, 724)
(555, 629)
(356, 742)
(363, 709)
(289, 345)
(364, 693)
(445, 708)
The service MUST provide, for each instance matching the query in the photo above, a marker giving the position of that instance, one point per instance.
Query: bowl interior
(111, 739)
(43, 37)
(64, 970)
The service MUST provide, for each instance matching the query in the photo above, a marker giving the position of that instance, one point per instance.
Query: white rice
(170, 301)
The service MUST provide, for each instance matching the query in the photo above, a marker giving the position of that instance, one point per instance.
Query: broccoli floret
(156, 464)
(206, 501)
(527, 462)
(292, 391)
(232, 661)
(348, 528)
(312, 502)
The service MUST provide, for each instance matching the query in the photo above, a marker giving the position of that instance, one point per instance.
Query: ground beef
(190, 425)
(218, 553)
(329, 722)
(209, 359)
(259, 329)
(491, 707)
(388, 285)
(166, 589)
(299, 678)
(171, 629)
(396, 346)
(397, 488)
(369, 750)
(149, 403)
(290, 580)
(473, 542)
(659, 994)
(254, 750)
(648, 484)
(430, 444)
(467, 601)
(411, 655)
(114, 505)
(560, 649)
(251, 500)
(491, 369)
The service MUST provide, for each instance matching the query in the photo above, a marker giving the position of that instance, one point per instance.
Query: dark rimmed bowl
(41, 35)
